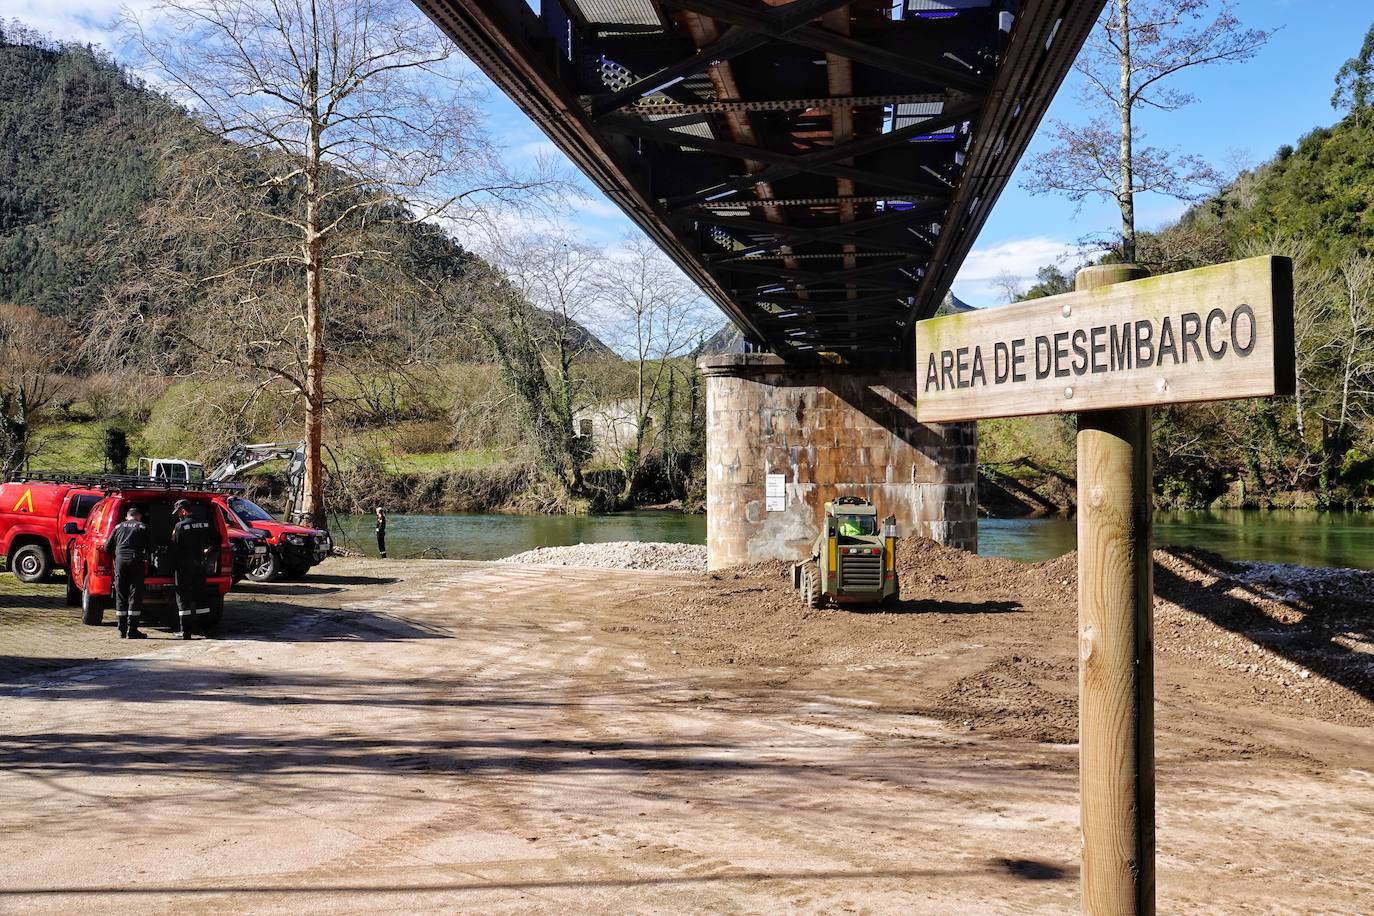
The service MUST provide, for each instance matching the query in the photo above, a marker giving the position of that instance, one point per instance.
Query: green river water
(1308, 538)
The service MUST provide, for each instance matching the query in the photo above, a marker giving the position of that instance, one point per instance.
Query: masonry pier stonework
(782, 439)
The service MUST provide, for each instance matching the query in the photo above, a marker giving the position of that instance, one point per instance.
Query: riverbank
(1319, 539)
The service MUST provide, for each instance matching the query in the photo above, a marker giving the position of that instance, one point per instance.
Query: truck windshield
(858, 526)
(248, 510)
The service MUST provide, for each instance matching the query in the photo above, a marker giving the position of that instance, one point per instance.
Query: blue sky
(1249, 109)
(1246, 110)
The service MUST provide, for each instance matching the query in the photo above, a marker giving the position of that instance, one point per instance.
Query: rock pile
(619, 555)
(1289, 582)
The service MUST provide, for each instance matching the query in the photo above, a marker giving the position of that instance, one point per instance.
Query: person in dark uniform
(129, 545)
(381, 532)
(190, 541)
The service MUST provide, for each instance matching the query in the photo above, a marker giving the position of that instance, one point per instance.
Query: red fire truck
(34, 508)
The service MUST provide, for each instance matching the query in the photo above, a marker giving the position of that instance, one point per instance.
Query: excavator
(241, 459)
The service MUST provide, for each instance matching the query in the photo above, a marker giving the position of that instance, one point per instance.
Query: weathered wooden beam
(1116, 649)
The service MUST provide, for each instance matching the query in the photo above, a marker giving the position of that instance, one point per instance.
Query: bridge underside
(820, 167)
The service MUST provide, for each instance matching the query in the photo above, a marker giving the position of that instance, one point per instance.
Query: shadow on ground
(996, 867)
(932, 606)
(1310, 641)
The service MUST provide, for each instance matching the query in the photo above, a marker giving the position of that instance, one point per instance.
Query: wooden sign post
(1108, 351)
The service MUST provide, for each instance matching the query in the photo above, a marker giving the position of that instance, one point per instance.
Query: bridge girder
(872, 139)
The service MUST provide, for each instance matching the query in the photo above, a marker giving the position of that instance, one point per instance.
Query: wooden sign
(1209, 334)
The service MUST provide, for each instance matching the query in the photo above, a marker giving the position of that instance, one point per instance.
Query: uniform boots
(134, 632)
(184, 619)
(123, 626)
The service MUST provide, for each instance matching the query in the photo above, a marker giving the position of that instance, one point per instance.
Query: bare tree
(652, 315)
(1125, 66)
(1355, 340)
(352, 116)
(1009, 286)
(533, 324)
(1312, 325)
(34, 357)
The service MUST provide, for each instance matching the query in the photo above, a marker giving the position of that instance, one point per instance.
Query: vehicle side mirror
(71, 528)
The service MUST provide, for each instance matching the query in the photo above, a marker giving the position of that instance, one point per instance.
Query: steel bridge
(820, 167)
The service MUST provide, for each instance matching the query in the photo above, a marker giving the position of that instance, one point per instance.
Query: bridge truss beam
(819, 167)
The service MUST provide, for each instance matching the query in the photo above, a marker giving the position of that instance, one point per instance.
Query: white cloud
(81, 21)
(596, 205)
(536, 149)
(978, 280)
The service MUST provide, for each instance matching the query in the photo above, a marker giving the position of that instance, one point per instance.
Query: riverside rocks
(619, 555)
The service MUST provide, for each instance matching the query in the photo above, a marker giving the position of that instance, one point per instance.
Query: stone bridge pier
(782, 439)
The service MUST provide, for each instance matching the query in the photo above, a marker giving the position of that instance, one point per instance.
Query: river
(1309, 538)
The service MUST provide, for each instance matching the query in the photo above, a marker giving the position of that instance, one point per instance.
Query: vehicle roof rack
(113, 482)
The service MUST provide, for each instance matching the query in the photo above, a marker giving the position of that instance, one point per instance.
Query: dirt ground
(433, 736)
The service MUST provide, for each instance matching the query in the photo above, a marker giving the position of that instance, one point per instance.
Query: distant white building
(612, 426)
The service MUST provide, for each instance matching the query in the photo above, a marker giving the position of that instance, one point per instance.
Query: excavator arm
(243, 458)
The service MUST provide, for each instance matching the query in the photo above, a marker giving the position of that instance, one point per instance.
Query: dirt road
(443, 737)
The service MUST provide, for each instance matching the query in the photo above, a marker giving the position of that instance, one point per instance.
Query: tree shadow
(276, 621)
(228, 754)
(10, 600)
(313, 890)
(310, 585)
(1309, 641)
(1034, 869)
(331, 579)
(934, 606)
(255, 688)
(287, 588)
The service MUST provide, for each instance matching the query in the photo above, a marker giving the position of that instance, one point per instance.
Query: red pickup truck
(33, 512)
(91, 580)
(291, 549)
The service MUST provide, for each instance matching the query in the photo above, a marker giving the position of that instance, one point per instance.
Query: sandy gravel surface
(1222, 644)
(619, 555)
(451, 737)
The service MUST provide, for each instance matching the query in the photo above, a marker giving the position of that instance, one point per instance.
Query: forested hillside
(1322, 192)
(111, 212)
(85, 149)
(1313, 202)
(79, 142)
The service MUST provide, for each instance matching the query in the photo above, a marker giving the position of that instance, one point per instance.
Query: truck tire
(92, 607)
(292, 573)
(811, 587)
(31, 563)
(266, 570)
(212, 620)
(73, 593)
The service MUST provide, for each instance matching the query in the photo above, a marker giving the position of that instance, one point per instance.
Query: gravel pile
(620, 555)
(1288, 582)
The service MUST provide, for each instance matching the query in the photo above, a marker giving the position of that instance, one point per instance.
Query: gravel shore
(619, 555)
(1289, 582)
